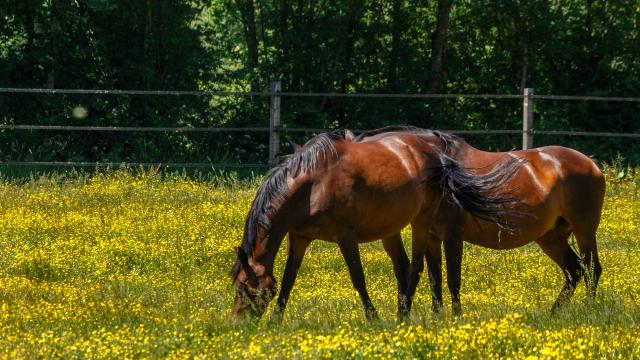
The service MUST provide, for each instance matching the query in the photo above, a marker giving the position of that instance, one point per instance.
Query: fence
(275, 95)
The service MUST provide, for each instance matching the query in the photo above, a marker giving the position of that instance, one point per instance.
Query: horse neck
(281, 219)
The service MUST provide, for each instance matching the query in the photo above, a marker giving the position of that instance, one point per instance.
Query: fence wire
(312, 94)
(267, 129)
(297, 130)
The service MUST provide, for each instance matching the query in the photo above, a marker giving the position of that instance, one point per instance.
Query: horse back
(376, 187)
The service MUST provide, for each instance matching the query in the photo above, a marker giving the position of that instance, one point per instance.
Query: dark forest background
(566, 47)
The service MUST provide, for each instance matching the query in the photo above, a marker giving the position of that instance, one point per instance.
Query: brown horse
(561, 191)
(350, 191)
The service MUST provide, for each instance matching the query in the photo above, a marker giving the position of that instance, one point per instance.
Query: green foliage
(577, 47)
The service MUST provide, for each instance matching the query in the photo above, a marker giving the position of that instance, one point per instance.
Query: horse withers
(354, 190)
(559, 191)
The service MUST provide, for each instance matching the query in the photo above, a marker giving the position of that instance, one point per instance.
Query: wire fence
(275, 129)
(314, 94)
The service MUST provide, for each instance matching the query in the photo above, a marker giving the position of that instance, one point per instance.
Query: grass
(135, 264)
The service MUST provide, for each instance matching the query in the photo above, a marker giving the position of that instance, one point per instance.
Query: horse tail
(483, 196)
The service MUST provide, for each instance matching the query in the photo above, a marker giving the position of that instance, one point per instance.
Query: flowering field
(136, 265)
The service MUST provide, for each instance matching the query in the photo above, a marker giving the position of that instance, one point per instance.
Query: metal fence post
(527, 119)
(275, 88)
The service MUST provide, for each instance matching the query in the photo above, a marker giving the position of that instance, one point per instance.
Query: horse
(560, 192)
(348, 191)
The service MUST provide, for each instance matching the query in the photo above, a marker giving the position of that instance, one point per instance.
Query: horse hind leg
(583, 215)
(589, 260)
(395, 249)
(554, 243)
(425, 246)
(419, 236)
(453, 255)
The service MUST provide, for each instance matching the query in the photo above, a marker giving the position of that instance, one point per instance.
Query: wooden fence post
(527, 119)
(274, 122)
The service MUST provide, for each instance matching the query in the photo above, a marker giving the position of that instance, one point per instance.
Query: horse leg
(395, 249)
(584, 217)
(589, 259)
(554, 244)
(296, 247)
(415, 269)
(351, 253)
(453, 255)
(434, 267)
(419, 234)
(423, 244)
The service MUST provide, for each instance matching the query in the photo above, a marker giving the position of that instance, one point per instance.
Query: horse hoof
(372, 314)
(456, 309)
(403, 315)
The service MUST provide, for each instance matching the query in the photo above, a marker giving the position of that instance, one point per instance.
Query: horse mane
(448, 140)
(274, 188)
(388, 129)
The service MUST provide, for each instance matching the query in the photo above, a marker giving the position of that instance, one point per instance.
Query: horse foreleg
(349, 247)
(453, 256)
(395, 249)
(296, 247)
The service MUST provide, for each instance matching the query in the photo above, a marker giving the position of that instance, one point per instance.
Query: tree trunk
(438, 44)
(283, 27)
(160, 38)
(525, 67)
(53, 44)
(147, 46)
(355, 14)
(588, 18)
(396, 31)
(521, 55)
(247, 11)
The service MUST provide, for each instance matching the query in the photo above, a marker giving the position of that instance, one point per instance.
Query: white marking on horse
(392, 145)
(549, 158)
(532, 174)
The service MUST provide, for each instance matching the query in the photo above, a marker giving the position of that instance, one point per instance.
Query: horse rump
(484, 196)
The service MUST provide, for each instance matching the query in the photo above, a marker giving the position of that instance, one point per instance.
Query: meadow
(133, 264)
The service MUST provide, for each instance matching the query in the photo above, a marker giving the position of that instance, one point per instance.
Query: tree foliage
(569, 47)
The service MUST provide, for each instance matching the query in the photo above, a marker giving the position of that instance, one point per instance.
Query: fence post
(274, 122)
(527, 119)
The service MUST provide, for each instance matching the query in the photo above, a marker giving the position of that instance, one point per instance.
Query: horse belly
(526, 230)
(490, 236)
(386, 215)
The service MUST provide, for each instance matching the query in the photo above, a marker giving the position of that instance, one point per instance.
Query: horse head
(255, 287)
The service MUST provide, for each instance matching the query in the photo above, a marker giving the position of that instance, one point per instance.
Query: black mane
(274, 188)
(386, 129)
(449, 141)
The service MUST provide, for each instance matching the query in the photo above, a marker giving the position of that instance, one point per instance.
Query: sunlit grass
(136, 265)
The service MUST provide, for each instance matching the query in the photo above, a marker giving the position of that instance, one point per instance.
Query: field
(133, 264)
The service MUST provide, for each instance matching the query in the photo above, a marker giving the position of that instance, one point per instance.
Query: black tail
(483, 196)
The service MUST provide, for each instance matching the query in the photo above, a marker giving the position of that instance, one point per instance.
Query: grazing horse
(561, 191)
(348, 191)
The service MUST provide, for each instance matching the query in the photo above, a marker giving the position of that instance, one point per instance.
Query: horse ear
(348, 135)
(244, 261)
(296, 147)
